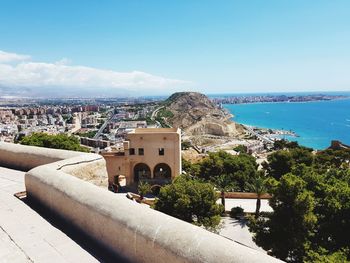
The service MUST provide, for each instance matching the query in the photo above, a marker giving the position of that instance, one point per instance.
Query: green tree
(185, 145)
(190, 200)
(213, 165)
(286, 232)
(284, 144)
(223, 183)
(240, 168)
(323, 256)
(241, 149)
(311, 207)
(332, 194)
(279, 163)
(190, 168)
(330, 158)
(59, 141)
(257, 185)
(302, 156)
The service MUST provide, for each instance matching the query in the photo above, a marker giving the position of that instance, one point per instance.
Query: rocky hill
(197, 115)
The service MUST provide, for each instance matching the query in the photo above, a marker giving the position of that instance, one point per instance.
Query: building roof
(155, 130)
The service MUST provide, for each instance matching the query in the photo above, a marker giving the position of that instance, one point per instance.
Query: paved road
(155, 112)
(261, 137)
(100, 131)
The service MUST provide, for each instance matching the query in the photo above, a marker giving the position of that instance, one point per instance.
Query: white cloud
(63, 61)
(6, 57)
(60, 74)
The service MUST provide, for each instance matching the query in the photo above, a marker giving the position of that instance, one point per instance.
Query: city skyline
(156, 48)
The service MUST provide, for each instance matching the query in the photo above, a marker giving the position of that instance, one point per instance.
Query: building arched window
(162, 171)
(141, 171)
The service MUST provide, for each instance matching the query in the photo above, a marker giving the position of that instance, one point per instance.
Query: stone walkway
(237, 230)
(25, 236)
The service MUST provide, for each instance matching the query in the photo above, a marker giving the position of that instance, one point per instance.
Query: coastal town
(103, 123)
(240, 99)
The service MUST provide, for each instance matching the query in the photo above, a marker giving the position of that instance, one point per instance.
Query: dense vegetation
(229, 173)
(282, 161)
(310, 221)
(239, 169)
(165, 113)
(60, 141)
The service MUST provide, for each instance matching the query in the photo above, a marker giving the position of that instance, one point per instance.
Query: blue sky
(209, 46)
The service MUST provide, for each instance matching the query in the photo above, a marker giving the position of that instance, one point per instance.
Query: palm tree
(143, 189)
(258, 186)
(223, 183)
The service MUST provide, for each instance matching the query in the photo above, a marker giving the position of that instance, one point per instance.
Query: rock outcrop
(197, 115)
(337, 145)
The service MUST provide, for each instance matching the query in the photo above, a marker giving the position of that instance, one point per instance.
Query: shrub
(143, 188)
(59, 141)
(236, 212)
(185, 145)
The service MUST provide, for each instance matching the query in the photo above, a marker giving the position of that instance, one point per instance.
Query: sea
(316, 123)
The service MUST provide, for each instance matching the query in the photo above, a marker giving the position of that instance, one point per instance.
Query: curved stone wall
(24, 158)
(132, 231)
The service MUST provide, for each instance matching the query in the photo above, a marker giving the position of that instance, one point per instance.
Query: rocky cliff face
(197, 115)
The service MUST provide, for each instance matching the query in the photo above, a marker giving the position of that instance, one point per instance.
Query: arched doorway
(162, 171)
(141, 171)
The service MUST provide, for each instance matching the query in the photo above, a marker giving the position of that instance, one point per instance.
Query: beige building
(152, 155)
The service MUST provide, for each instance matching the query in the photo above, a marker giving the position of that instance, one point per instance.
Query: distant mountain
(196, 114)
(68, 92)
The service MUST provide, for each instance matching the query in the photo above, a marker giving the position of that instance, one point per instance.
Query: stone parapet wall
(134, 232)
(24, 158)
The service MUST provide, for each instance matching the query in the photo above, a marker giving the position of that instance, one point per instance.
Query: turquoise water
(317, 123)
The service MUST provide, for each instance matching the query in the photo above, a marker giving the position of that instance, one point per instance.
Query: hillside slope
(197, 115)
